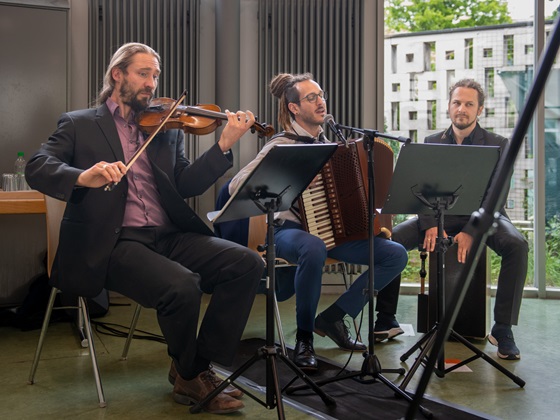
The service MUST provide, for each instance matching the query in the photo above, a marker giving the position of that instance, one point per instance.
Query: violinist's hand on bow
(464, 242)
(101, 174)
(238, 124)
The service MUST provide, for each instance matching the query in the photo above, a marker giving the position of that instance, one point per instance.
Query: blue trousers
(309, 253)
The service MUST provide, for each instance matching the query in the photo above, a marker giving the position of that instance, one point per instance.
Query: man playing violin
(142, 239)
(302, 110)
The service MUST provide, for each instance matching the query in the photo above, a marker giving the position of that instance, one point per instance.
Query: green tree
(429, 15)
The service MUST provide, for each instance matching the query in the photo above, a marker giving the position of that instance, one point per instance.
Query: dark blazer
(93, 217)
(481, 137)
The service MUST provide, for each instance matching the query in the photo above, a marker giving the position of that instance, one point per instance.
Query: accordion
(334, 207)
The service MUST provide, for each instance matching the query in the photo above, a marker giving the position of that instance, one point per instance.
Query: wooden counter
(22, 202)
(23, 245)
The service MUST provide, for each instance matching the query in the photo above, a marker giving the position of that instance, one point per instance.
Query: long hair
(122, 59)
(471, 84)
(283, 86)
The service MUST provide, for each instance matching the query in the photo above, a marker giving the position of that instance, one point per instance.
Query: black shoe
(338, 332)
(502, 337)
(304, 355)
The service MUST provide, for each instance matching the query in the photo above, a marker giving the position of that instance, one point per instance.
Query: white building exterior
(420, 67)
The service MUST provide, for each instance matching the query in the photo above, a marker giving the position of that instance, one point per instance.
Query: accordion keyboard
(320, 217)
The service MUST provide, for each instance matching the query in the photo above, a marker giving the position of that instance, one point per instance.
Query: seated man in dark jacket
(466, 101)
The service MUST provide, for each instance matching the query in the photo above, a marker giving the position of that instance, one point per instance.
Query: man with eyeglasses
(302, 110)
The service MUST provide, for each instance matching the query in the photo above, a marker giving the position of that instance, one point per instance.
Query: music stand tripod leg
(440, 370)
(480, 354)
(439, 206)
(269, 351)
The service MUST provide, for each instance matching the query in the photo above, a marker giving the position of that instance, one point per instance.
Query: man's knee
(518, 248)
(314, 249)
(407, 234)
(252, 260)
(180, 292)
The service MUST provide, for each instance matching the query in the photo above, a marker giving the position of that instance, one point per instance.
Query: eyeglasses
(312, 97)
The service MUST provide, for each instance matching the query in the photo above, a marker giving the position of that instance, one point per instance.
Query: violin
(165, 113)
(197, 120)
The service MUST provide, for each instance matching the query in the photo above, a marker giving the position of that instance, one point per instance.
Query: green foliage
(411, 273)
(429, 15)
(552, 232)
(395, 147)
(552, 241)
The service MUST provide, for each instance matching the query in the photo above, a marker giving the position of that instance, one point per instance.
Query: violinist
(140, 238)
(302, 109)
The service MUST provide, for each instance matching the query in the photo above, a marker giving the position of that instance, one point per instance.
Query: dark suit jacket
(93, 218)
(481, 137)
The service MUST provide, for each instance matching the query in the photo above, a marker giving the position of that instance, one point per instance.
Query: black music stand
(272, 186)
(444, 183)
(483, 218)
(371, 366)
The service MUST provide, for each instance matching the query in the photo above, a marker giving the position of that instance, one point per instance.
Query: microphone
(329, 120)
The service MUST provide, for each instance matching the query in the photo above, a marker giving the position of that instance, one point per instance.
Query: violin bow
(110, 186)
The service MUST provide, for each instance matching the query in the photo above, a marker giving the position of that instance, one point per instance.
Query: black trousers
(170, 270)
(506, 242)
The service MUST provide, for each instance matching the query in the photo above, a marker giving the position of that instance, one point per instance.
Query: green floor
(138, 387)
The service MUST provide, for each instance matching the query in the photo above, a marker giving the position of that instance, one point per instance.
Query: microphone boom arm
(373, 133)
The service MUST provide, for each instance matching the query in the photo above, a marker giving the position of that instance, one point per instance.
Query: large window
(501, 58)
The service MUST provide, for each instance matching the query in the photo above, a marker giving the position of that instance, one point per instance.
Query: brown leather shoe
(229, 390)
(195, 390)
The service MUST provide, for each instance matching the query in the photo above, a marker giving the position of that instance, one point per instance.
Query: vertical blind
(323, 37)
(168, 26)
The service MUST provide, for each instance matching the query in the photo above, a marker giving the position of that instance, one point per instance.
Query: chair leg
(89, 335)
(344, 271)
(44, 328)
(80, 324)
(131, 331)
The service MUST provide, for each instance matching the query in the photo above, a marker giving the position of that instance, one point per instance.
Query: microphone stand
(371, 367)
(372, 134)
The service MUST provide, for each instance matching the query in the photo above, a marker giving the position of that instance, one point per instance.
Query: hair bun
(279, 83)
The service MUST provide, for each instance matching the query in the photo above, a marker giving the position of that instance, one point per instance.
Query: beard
(131, 99)
(463, 125)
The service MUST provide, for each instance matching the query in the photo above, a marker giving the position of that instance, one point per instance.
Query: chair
(54, 211)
